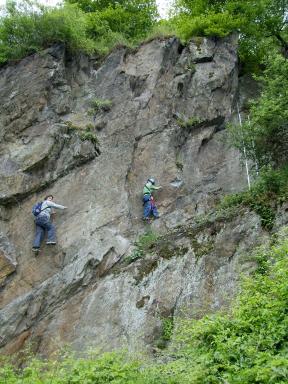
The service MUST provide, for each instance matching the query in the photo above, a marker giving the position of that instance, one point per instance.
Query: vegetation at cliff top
(247, 345)
(98, 26)
(28, 27)
(262, 24)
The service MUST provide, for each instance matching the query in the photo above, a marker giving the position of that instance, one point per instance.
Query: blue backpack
(36, 209)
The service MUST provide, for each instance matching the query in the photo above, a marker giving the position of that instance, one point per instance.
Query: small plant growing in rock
(71, 126)
(167, 332)
(100, 105)
(135, 255)
(83, 134)
(167, 328)
(189, 123)
(143, 243)
(147, 240)
(90, 136)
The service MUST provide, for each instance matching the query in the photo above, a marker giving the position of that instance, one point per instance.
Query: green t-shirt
(149, 188)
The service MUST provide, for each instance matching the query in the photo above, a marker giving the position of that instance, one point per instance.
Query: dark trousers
(149, 207)
(43, 224)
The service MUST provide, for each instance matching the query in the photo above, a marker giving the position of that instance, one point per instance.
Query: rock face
(91, 133)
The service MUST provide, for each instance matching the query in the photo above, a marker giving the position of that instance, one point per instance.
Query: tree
(132, 18)
(260, 23)
(28, 28)
(265, 136)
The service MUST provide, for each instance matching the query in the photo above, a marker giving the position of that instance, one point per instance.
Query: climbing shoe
(35, 249)
(51, 242)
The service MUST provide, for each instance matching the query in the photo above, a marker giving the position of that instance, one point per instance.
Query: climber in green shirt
(150, 208)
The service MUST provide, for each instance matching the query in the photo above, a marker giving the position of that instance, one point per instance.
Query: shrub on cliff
(265, 196)
(261, 24)
(26, 28)
(131, 18)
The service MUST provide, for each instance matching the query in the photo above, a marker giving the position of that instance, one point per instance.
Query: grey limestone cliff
(91, 132)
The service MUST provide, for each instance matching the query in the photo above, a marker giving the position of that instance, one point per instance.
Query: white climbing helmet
(152, 181)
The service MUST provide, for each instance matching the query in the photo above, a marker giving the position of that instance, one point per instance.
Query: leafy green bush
(94, 368)
(90, 136)
(261, 24)
(270, 190)
(168, 326)
(189, 123)
(132, 18)
(146, 240)
(104, 38)
(265, 136)
(83, 133)
(162, 29)
(30, 28)
(100, 105)
(250, 344)
(215, 24)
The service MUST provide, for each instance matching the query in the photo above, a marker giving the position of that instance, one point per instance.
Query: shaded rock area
(91, 133)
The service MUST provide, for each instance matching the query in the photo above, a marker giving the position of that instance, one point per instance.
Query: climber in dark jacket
(43, 223)
(150, 208)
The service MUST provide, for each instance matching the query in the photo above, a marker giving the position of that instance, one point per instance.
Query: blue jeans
(150, 209)
(43, 224)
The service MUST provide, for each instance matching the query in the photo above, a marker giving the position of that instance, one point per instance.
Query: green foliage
(167, 324)
(189, 123)
(83, 133)
(93, 6)
(146, 240)
(132, 18)
(28, 28)
(262, 24)
(270, 190)
(97, 369)
(265, 136)
(162, 29)
(103, 37)
(100, 105)
(90, 136)
(250, 344)
(135, 255)
(92, 26)
(216, 24)
(142, 245)
(167, 328)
